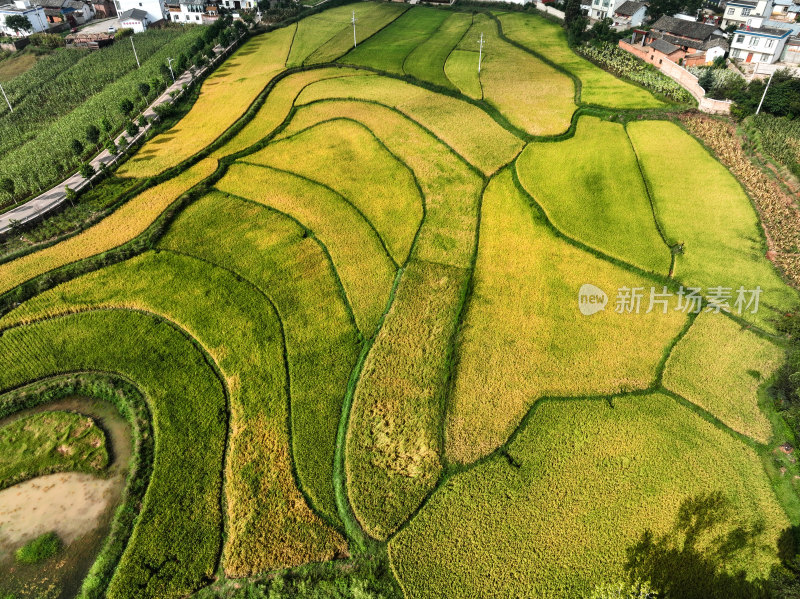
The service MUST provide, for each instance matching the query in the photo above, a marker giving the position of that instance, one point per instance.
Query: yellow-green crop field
(402, 328)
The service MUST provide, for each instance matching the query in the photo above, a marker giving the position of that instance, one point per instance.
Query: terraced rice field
(386, 308)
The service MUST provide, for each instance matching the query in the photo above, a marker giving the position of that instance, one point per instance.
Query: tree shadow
(695, 558)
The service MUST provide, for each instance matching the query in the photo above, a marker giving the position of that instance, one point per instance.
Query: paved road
(47, 201)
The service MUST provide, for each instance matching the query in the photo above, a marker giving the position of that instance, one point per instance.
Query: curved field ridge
(234, 85)
(598, 197)
(277, 256)
(177, 539)
(427, 61)
(270, 524)
(366, 269)
(720, 366)
(485, 144)
(597, 86)
(130, 220)
(332, 154)
(539, 344)
(580, 484)
(706, 211)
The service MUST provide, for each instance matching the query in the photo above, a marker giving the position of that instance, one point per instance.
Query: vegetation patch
(39, 549)
(130, 220)
(599, 197)
(512, 352)
(277, 255)
(50, 442)
(331, 153)
(706, 213)
(485, 144)
(364, 266)
(427, 60)
(461, 69)
(234, 85)
(592, 491)
(719, 365)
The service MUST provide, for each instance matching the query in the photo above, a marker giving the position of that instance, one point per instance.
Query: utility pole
(480, 53)
(354, 30)
(6, 97)
(764, 95)
(135, 54)
(171, 72)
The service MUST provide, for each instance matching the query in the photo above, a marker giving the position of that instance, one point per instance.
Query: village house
(690, 36)
(104, 9)
(35, 15)
(760, 44)
(629, 14)
(72, 12)
(744, 12)
(603, 9)
(154, 12)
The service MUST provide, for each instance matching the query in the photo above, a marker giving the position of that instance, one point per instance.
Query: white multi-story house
(239, 4)
(23, 8)
(604, 9)
(759, 44)
(187, 11)
(745, 12)
(154, 10)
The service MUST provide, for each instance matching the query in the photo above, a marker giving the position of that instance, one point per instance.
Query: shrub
(40, 549)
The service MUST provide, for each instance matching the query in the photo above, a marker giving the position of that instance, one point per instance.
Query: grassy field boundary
(656, 219)
(132, 406)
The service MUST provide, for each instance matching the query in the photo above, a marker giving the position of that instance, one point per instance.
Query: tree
(574, 21)
(125, 107)
(8, 186)
(132, 128)
(706, 80)
(144, 89)
(92, 135)
(658, 8)
(77, 147)
(142, 121)
(86, 170)
(111, 146)
(165, 74)
(106, 126)
(19, 23)
(71, 194)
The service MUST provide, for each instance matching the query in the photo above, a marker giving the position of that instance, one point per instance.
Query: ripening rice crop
(366, 270)
(271, 526)
(393, 443)
(598, 197)
(346, 157)
(174, 547)
(224, 97)
(539, 344)
(367, 24)
(54, 441)
(530, 93)
(427, 60)
(387, 50)
(597, 86)
(131, 219)
(719, 365)
(277, 106)
(484, 144)
(277, 256)
(450, 188)
(461, 69)
(579, 486)
(706, 210)
(314, 31)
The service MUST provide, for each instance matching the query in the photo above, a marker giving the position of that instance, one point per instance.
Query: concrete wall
(678, 73)
(550, 10)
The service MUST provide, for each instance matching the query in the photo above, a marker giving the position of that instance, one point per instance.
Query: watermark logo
(591, 299)
(636, 300)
